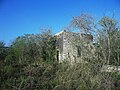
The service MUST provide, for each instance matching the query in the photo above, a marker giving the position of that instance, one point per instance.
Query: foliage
(109, 40)
(84, 22)
(30, 63)
(3, 50)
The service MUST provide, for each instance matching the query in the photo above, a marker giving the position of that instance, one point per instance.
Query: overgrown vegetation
(30, 63)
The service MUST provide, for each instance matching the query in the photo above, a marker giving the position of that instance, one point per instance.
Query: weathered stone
(68, 45)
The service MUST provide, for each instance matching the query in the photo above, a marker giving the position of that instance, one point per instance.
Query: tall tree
(84, 22)
(109, 39)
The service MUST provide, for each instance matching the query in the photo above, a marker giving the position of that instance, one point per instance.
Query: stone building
(68, 45)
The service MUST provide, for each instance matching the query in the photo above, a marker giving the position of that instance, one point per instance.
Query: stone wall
(68, 45)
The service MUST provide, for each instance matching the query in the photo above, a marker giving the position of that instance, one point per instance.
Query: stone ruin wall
(66, 45)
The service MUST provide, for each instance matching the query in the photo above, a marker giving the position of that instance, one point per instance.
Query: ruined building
(68, 45)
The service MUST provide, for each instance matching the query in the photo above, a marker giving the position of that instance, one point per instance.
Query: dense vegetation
(29, 63)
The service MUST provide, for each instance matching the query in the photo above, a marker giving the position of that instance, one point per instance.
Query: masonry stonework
(68, 45)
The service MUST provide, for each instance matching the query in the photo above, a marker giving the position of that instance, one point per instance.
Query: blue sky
(19, 17)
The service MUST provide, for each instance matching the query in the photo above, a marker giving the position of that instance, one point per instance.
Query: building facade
(69, 45)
